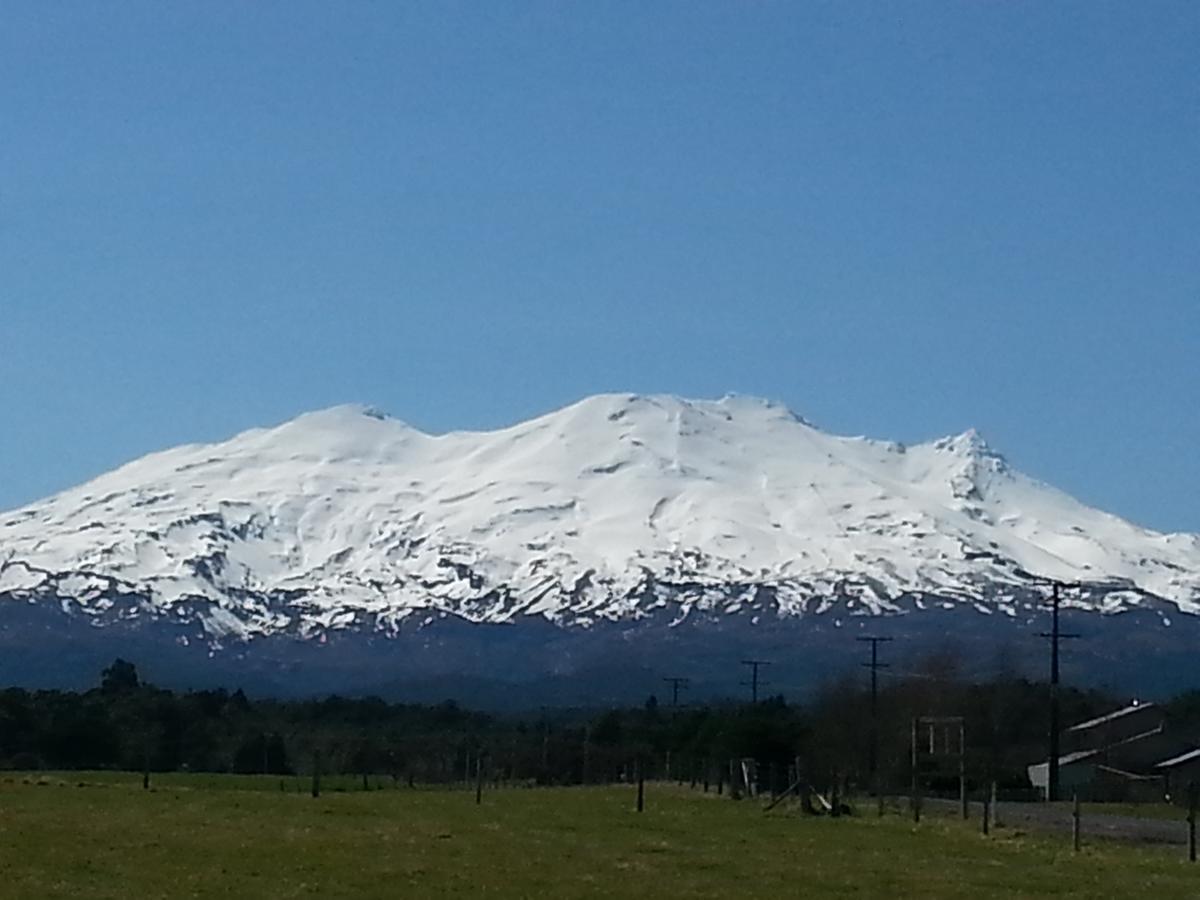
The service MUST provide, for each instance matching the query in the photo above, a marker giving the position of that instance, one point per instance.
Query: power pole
(1055, 636)
(874, 665)
(754, 682)
(676, 684)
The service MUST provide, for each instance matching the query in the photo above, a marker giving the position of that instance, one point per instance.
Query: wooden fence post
(915, 791)
(1075, 836)
(962, 770)
(987, 809)
(585, 772)
(641, 781)
(1193, 796)
(478, 779)
(316, 779)
(879, 795)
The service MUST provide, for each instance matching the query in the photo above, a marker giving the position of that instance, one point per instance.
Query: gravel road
(1056, 817)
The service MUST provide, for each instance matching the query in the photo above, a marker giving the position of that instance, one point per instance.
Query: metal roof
(1178, 760)
(1112, 716)
(1070, 758)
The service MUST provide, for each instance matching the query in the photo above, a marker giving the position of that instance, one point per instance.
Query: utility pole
(874, 665)
(754, 682)
(1055, 636)
(676, 684)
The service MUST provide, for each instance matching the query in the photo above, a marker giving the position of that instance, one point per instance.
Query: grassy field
(100, 835)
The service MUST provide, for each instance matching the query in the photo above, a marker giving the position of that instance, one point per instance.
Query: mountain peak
(344, 413)
(969, 443)
(346, 419)
(731, 407)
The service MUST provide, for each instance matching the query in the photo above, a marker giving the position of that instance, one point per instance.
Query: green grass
(101, 835)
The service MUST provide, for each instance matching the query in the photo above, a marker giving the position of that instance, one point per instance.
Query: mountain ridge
(616, 508)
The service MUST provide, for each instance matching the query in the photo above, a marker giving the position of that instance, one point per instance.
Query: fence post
(586, 772)
(879, 794)
(1193, 795)
(987, 809)
(641, 793)
(914, 798)
(962, 770)
(1075, 822)
(316, 779)
(995, 807)
(478, 778)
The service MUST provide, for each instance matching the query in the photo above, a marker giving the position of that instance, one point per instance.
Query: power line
(676, 684)
(754, 683)
(874, 665)
(1055, 636)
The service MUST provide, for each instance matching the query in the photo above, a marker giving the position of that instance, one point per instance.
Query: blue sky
(900, 219)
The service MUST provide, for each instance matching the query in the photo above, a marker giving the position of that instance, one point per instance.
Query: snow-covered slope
(616, 507)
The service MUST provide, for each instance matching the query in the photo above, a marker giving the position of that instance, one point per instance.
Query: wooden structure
(939, 746)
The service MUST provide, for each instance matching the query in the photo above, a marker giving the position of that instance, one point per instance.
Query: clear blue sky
(901, 219)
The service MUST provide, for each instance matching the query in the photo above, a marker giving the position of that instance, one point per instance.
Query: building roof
(1179, 760)
(1129, 776)
(1112, 716)
(1134, 738)
(1077, 756)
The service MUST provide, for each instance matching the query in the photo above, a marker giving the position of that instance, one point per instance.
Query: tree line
(124, 723)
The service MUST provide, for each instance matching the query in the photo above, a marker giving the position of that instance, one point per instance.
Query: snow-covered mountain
(619, 508)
